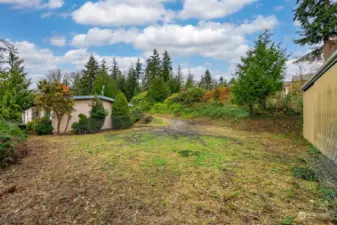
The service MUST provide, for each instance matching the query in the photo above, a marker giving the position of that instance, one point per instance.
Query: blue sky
(198, 34)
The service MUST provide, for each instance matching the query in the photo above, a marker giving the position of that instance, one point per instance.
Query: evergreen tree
(122, 83)
(15, 95)
(166, 67)
(89, 74)
(159, 90)
(120, 113)
(318, 19)
(221, 81)
(139, 70)
(153, 69)
(180, 77)
(208, 80)
(189, 81)
(132, 85)
(115, 72)
(260, 73)
(104, 84)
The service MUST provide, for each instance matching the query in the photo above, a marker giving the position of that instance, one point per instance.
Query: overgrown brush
(11, 137)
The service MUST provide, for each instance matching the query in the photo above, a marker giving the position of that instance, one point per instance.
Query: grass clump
(304, 173)
(289, 220)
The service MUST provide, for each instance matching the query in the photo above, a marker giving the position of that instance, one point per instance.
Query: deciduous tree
(56, 97)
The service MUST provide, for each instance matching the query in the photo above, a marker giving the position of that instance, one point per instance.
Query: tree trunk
(251, 109)
(59, 120)
(328, 47)
(69, 118)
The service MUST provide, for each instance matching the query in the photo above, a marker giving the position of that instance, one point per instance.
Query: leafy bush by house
(82, 126)
(10, 139)
(42, 126)
(120, 114)
(97, 116)
(305, 173)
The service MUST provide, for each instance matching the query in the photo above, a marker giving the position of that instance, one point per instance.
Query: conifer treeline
(156, 76)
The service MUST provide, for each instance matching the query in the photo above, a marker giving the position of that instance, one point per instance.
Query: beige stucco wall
(82, 107)
(320, 113)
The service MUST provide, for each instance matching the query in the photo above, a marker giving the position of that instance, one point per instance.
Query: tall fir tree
(153, 69)
(104, 84)
(166, 67)
(260, 73)
(132, 85)
(221, 82)
(115, 72)
(318, 19)
(189, 81)
(89, 73)
(15, 94)
(208, 80)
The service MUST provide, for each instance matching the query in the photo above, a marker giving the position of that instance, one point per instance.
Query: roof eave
(325, 67)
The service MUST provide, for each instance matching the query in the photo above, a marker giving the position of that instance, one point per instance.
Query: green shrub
(30, 126)
(175, 98)
(43, 126)
(120, 114)
(97, 116)
(142, 102)
(178, 109)
(159, 108)
(192, 95)
(216, 111)
(121, 122)
(82, 126)
(10, 138)
(137, 115)
(304, 173)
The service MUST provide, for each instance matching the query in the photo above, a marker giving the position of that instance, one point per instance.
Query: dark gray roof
(86, 97)
(326, 66)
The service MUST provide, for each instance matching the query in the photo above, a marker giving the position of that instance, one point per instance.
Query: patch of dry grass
(143, 176)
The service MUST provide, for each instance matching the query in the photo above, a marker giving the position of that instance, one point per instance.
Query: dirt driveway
(174, 172)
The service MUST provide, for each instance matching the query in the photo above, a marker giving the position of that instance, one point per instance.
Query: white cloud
(59, 41)
(38, 61)
(216, 40)
(97, 36)
(119, 12)
(54, 4)
(260, 23)
(38, 4)
(211, 8)
(278, 7)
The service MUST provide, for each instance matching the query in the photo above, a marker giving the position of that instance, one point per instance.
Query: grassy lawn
(161, 176)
